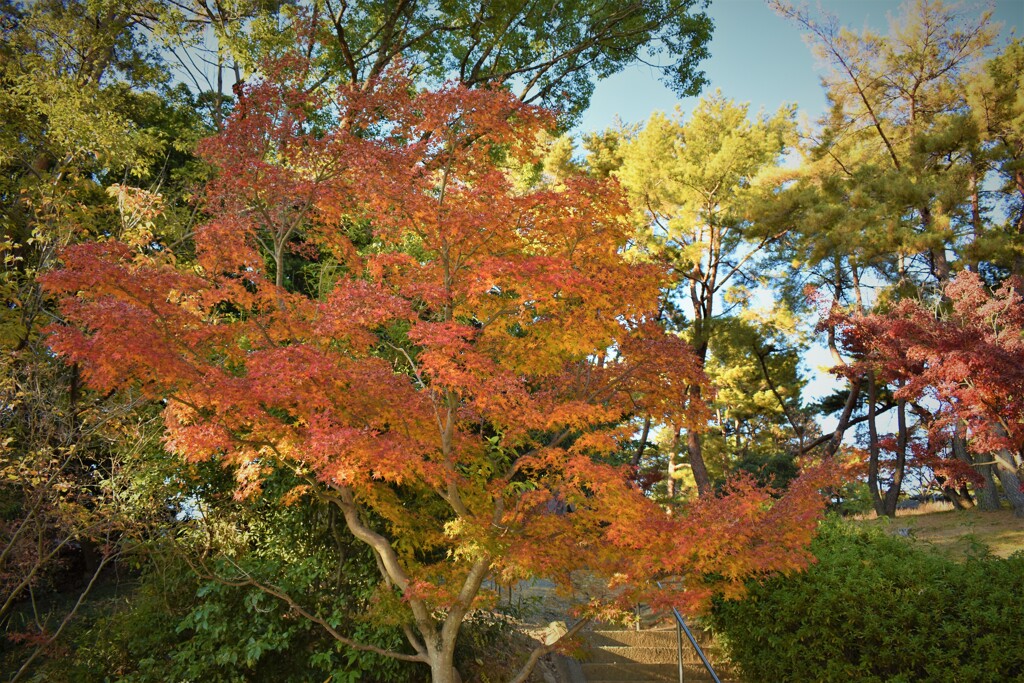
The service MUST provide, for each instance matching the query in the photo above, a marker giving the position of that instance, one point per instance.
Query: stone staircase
(647, 656)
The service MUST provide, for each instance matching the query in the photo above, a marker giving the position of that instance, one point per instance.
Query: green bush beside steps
(878, 608)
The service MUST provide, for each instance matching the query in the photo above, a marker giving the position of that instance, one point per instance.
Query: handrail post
(682, 628)
(696, 646)
(679, 650)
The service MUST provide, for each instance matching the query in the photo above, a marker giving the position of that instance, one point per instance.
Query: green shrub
(175, 627)
(178, 626)
(877, 608)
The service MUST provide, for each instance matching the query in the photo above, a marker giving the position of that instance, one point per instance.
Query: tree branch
(524, 673)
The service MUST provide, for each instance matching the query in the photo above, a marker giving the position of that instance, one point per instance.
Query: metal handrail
(682, 628)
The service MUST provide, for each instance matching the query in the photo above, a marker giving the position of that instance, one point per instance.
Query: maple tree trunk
(987, 494)
(959, 496)
(442, 665)
(438, 643)
(1008, 477)
(279, 265)
(1007, 470)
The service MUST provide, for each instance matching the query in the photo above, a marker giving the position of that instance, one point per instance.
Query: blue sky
(756, 57)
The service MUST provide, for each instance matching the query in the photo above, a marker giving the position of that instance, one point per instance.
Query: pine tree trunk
(873, 486)
(693, 445)
(639, 455)
(892, 496)
(673, 459)
(700, 470)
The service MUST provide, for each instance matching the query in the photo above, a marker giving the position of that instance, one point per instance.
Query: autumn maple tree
(448, 360)
(960, 367)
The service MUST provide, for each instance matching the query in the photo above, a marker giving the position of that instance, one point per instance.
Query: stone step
(648, 655)
(643, 673)
(664, 638)
(688, 677)
(626, 653)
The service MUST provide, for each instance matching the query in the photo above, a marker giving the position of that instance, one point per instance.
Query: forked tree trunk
(437, 637)
(985, 495)
(442, 666)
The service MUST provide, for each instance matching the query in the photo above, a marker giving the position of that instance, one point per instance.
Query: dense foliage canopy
(317, 325)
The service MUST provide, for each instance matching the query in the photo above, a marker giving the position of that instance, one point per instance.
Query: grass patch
(957, 533)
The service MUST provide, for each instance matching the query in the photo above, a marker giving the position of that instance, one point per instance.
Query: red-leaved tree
(451, 382)
(961, 366)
